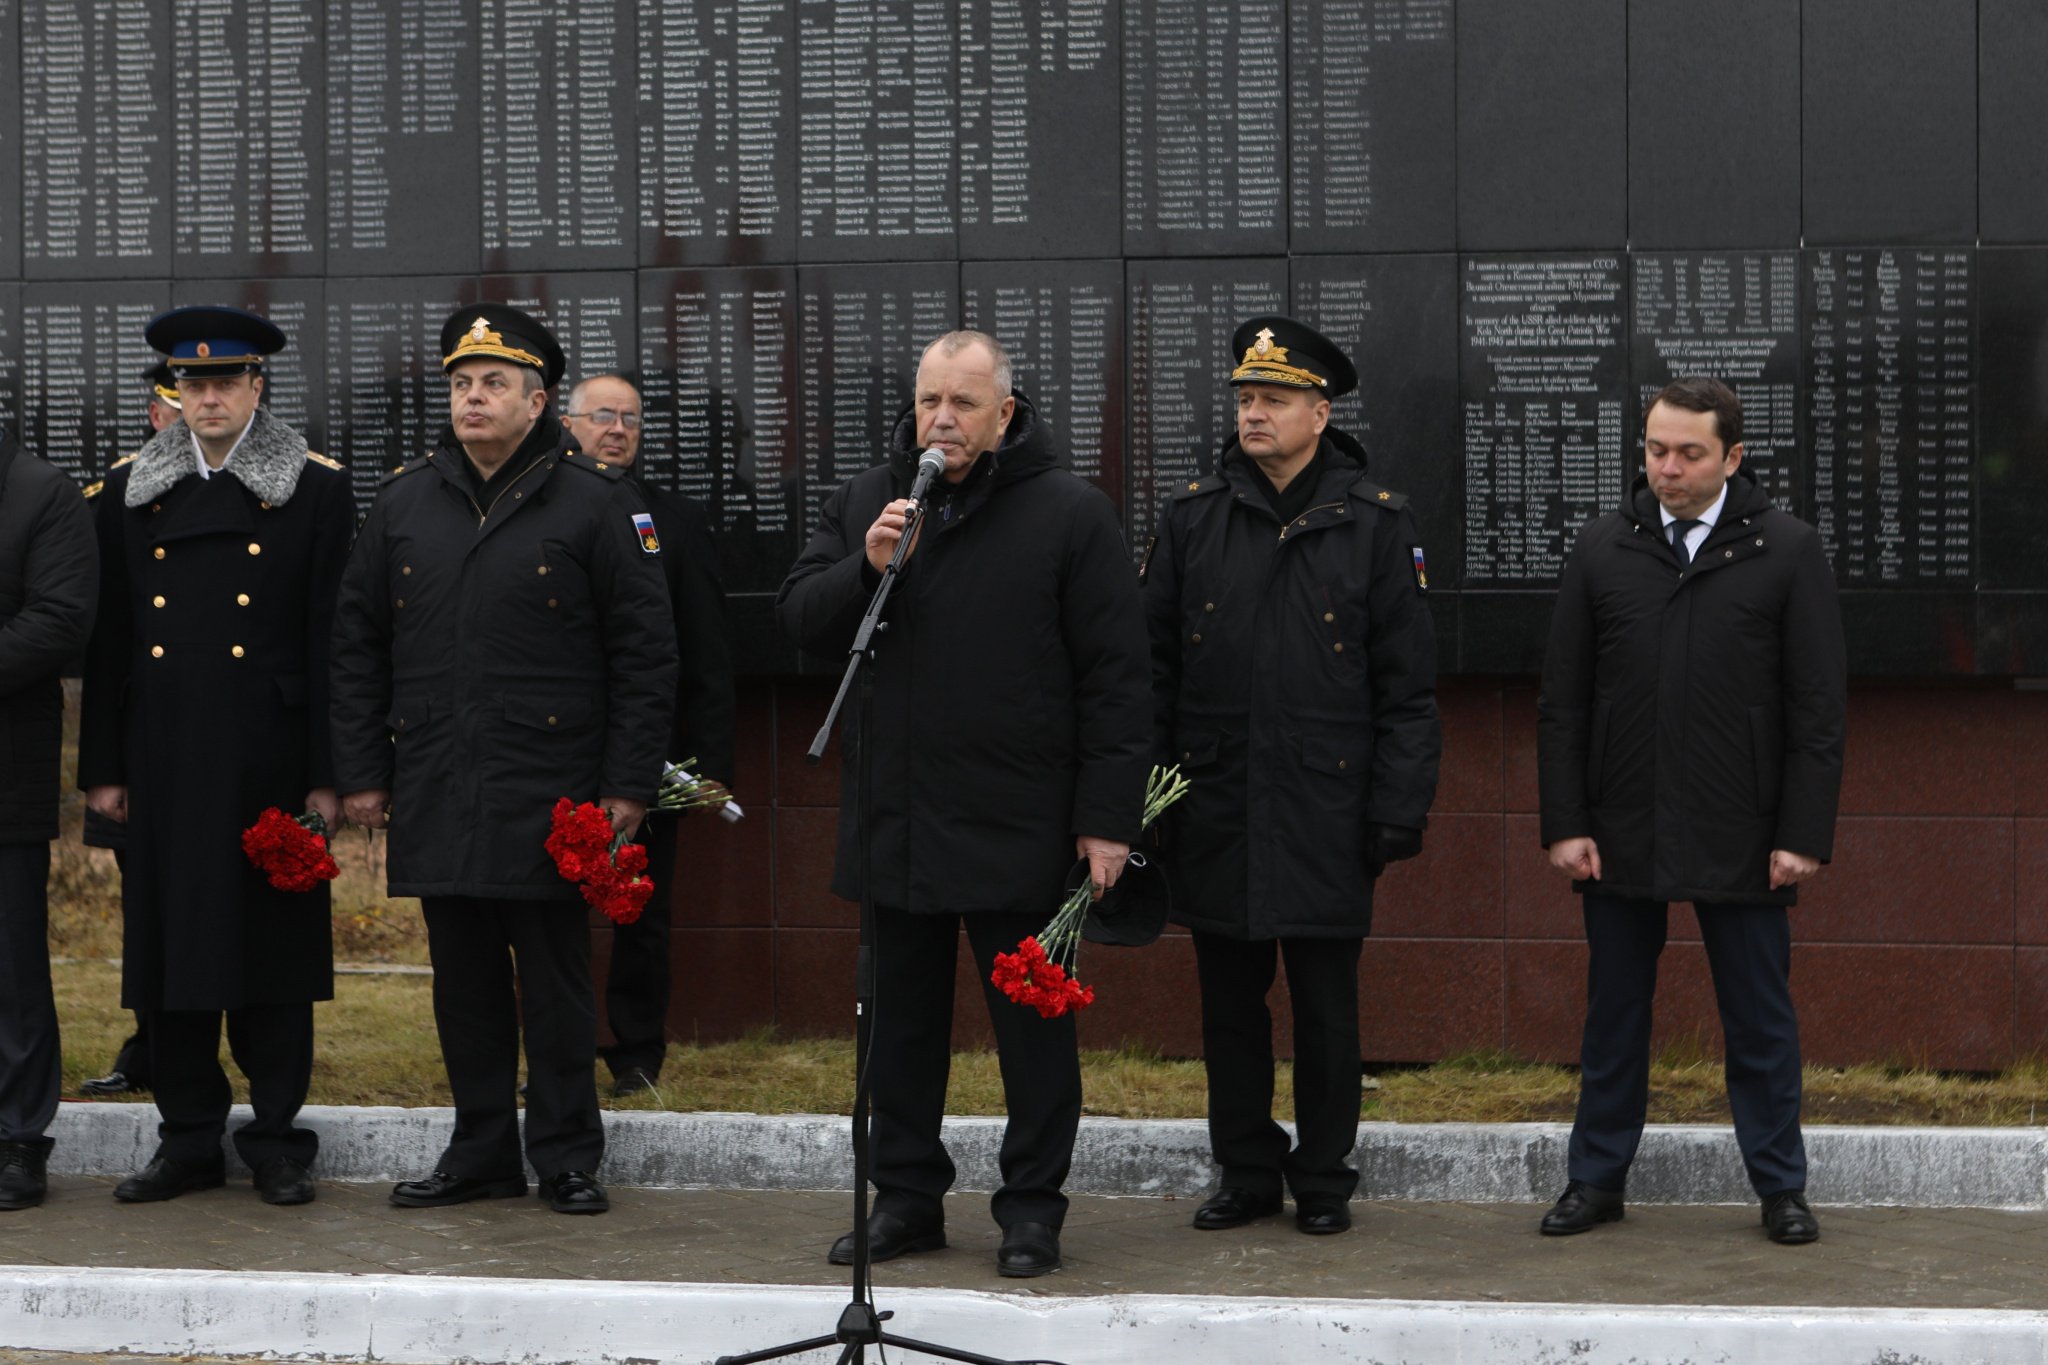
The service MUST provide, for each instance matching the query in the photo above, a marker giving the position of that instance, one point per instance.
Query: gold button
(156, 601)
(159, 552)
(236, 651)
(401, 722)
(401, 601)
(264, 505)
(1727, 554)
(158, 507)
(1329, 616)
(1342, 765)
(156, 651)
(551, 601)
(1339, 646)
(241, 599)
(254, 548)
(1208, 606)
(1198, 637)
(543, 569)
(551, 720)
(516, 495)
(406, 569)
(1187, 755)
(1302, 522)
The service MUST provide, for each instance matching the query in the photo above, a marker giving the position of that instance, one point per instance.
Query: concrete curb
(428, 1320)
(2002, 1168)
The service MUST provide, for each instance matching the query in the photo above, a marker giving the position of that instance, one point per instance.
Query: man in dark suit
(1690, 734)
(49, 588)
(221, 543)
(604, 415)
(461, 738)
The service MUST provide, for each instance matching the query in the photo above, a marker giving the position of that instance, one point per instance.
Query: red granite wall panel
(724, 872)
(814, 981)
(1421, 999)
(1945, 751)
(1453, 890)
(1471, 776)
(2030, 995)
(1912, 880)
(2030, 882)
(1537, 900)
(805, 837)
(1920, 1005)
(1144, 996)
(724, 983)
(2030, 753)
(1518, 746)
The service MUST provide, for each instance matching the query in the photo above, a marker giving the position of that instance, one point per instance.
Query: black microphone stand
(860, 1326)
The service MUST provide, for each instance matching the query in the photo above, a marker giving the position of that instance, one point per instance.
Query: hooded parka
(1692, 717)
(1294, 681)
(1010, 701)
(486, 666)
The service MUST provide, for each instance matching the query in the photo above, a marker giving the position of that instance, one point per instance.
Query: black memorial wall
(1522, 218)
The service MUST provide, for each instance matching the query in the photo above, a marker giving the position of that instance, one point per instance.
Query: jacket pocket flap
(1324, 752)
(409, 713)
(1197, 750)
(546, 713)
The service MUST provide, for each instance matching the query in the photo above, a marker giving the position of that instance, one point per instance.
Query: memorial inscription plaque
(1062, 324)
(388, 402)
(1543, 372)
(10, 141)
(1891, 412)
(95, 170)
(875, 132)
(1733, 316)
(2012, 51)
(1372, 122)
(83, 396)
(592, 314)
(10, 357)
(718, 359)
(1181, 316)
(248, 93)
(1039, 149)
(557, 133)
(403, 143)
(717, 106)
(1204, 127)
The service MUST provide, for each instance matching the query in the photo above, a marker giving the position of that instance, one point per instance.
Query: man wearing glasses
(604, 416)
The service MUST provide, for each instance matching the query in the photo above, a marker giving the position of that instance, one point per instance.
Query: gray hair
(576, 390)
(952, 343)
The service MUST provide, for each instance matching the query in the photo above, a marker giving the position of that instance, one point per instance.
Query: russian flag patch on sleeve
(1421, 569)
(650, 543)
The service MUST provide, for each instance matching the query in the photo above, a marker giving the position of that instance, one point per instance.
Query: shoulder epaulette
(1371, 492)
(317, 458)
(401, 470)
(125, 459)
(92, 490)
(576, 459)
(1208, 483)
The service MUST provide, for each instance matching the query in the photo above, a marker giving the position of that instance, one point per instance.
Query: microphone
(930, 465)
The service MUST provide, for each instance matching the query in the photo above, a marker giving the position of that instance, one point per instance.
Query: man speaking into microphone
(1012, 730)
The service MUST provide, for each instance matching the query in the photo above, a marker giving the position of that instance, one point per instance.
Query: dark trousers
(637, 989)
(480, 949)
(1749, 948)
(272, 1044)
(913, 1053)
(30, 1063)
(1237, 1051)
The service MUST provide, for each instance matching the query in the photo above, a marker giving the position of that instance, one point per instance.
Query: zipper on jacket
(1285, 526)
(483, 513)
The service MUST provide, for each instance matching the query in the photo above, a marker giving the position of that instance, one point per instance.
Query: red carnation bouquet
(291, 853)
(1040, 974)
(610, 871)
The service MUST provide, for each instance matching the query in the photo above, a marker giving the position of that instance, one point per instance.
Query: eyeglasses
(604, 417)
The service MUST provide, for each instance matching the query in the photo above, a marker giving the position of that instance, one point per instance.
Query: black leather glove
(1390, 844)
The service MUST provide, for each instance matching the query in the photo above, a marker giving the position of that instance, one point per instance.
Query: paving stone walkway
(1891, 1258)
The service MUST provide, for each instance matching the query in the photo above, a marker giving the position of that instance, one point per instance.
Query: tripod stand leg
(949, 1352)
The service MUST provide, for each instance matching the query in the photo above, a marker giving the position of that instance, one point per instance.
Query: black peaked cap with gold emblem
(1278, 350)
(209, 341)
(496, 331)
(163, 383)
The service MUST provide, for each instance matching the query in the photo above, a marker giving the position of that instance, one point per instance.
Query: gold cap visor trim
(486, 351)
(169, 396)
(1267, 372)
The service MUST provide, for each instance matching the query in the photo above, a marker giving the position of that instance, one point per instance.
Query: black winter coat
(487, 665)
(49, 590)
(1691, 720)
(206, 696)
(1294, 681)
(704, 708)
(1010, 706)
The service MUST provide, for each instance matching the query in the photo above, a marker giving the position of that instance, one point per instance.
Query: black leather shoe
(1319, 1215)
(888, 1238)
(1581, 1207)
(167, 1178)
(441, 1188)
(1028, 1250)
(1232, 1207)
(23, 1177)
(634, 1082)
(113, 1083)
(282, 1180)
(574, 1192)
(1789, 1219)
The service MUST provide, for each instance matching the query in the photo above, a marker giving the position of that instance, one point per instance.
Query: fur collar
(268, 463)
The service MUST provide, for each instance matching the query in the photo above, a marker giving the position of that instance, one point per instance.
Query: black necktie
(1679, 531)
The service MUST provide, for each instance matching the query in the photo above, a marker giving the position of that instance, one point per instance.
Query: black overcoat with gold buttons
(490, 660)
(1294, 681)
(206, 696)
